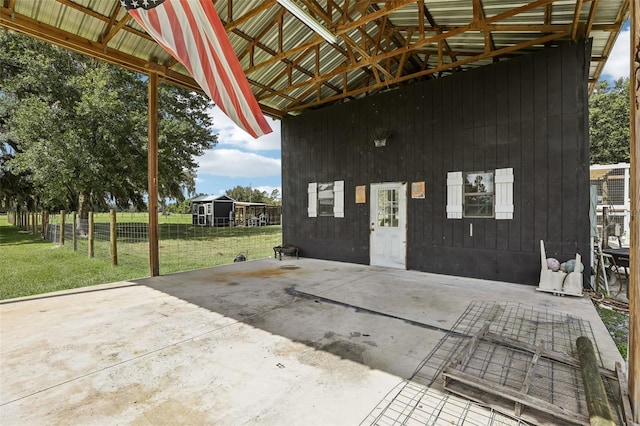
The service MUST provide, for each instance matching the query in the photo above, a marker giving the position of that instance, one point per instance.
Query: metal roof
(381, 44)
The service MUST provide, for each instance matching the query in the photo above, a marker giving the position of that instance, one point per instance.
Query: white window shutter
(454, 195)
(313, 199)
(504, 193)
(338, 198)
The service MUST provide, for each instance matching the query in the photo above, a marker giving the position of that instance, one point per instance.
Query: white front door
(388, 225)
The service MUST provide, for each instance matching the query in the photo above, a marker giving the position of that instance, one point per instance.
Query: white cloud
(235, 163)
(230, 135)
(618, 63)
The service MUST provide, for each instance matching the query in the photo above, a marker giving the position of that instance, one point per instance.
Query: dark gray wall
(529, 113)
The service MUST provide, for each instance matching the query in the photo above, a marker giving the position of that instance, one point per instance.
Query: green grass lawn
(30, 265)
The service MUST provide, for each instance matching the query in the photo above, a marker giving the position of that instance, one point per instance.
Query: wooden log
(90, 236)
(600, 413)
(113, 237)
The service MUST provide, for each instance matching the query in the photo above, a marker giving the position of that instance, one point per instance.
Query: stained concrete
(269, 342)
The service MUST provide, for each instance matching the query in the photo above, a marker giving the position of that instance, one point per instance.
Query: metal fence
(614, 204)
(182, 245)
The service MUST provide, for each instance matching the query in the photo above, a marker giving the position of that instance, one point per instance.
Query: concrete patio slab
(261, 342)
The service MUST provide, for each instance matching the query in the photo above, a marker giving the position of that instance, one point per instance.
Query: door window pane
(388, 208)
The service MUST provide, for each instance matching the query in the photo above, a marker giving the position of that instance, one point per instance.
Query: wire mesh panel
(185, 246)
(500, 358)
(182, 245)
(613, 185)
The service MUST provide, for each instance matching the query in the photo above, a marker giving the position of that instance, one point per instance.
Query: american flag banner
(191, 31)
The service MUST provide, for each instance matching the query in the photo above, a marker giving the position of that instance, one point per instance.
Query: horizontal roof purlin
(380, 45)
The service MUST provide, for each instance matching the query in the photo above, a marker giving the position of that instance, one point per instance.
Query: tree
(276, 198)
(246, 194)
(182, 207)
(609, 122)
(78, 128)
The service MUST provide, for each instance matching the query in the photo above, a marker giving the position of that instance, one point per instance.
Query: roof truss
(381, 44)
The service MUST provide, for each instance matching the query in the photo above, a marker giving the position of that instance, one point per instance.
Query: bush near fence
(182, 246)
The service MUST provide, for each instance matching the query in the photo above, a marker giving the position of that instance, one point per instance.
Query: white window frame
(479, 193)
(313, 200)
(503, 195)
(323, 195)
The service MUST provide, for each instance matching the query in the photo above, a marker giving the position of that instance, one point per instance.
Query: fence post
(62, 214)
(113, 236)
(43, 225)
(90, 241)
(74, 228)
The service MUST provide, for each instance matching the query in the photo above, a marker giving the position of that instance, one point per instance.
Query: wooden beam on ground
(152, 161)
(634, 284)
(600, 413)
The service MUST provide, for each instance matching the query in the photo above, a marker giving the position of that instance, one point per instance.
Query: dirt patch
(260, 273)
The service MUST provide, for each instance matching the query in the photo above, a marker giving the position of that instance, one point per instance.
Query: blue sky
(241, 160)
(238, 159)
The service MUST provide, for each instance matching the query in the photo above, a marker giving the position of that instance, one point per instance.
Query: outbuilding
(208, 210)
(462, 175)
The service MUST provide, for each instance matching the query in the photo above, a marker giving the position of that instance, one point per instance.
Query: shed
(208, 210)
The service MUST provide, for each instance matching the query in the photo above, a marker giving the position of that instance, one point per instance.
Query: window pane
(478, 194)
(478, 182)
(325, 199)
(478, 205)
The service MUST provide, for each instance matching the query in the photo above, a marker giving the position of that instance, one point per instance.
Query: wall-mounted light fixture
(308, 20)
(380, 136)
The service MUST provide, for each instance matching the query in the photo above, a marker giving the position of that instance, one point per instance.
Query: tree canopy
(609, 122)
(73, 130)
(247, 194)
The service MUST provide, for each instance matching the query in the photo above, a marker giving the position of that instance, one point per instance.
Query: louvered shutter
(338, 198)
(313, 199)
(454, 195)
(504, 193)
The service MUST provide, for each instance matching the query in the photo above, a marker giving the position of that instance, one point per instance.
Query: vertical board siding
(528, 114)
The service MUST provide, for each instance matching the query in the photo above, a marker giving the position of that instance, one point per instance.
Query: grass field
(142, 217)
(30, 265)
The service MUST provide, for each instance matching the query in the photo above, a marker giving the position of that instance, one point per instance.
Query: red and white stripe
(192, 33)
